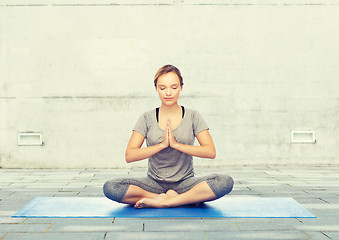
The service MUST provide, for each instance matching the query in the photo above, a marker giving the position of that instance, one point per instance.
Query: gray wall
(81, 72)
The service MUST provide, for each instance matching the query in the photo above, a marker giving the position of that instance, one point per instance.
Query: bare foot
(161, 197)
(149, 203)
(158, 202)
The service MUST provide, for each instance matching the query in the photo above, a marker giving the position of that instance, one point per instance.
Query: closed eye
(174, 86)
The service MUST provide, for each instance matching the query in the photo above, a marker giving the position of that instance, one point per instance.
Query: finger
(167, 129)
(170, 134)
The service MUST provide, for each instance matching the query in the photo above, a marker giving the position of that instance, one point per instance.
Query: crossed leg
(135, 193)
(143, 199)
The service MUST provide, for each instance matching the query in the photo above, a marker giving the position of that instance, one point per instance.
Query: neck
(169, 109)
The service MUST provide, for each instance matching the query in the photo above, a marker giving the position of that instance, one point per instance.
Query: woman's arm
(134, 152)
(205, 150)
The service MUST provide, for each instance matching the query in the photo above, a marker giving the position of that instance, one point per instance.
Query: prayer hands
(169, 140)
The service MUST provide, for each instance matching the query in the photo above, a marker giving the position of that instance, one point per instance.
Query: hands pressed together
(169, 140)
(134, 151)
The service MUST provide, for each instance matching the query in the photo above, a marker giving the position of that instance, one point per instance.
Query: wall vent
(29, 139)
(303, 137)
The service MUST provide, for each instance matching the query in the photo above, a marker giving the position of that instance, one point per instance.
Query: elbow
(213, 154)
(210, 152)
(128, 158)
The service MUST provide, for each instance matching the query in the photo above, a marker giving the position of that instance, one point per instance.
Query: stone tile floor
(315, 187)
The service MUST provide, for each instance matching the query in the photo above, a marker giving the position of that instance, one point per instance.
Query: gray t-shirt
(170, 165)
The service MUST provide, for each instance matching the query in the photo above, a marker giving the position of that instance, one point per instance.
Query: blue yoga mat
(227, 207)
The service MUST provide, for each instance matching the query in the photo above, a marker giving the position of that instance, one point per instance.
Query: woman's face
(168, 88)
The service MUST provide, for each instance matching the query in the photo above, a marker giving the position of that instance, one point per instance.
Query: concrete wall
(81, 72)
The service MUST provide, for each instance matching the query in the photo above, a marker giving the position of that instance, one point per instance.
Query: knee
(229, 183)
(221, 184)
(115, 189)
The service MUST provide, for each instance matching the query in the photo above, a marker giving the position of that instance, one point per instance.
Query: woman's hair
(167, 69)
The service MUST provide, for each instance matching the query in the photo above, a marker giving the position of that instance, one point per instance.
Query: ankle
(171, 193)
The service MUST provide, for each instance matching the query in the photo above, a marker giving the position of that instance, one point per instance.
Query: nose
(168, 92)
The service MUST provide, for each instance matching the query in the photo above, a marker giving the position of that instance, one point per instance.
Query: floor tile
(260, 235)
(22, 228)
(155, 235)
(54, 236)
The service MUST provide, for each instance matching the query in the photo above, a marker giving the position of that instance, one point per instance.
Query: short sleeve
(198, 123)
(141, 125)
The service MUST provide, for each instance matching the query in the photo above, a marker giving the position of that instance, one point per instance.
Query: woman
(170, 132)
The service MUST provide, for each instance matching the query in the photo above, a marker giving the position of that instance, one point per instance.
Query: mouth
(168, 99)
